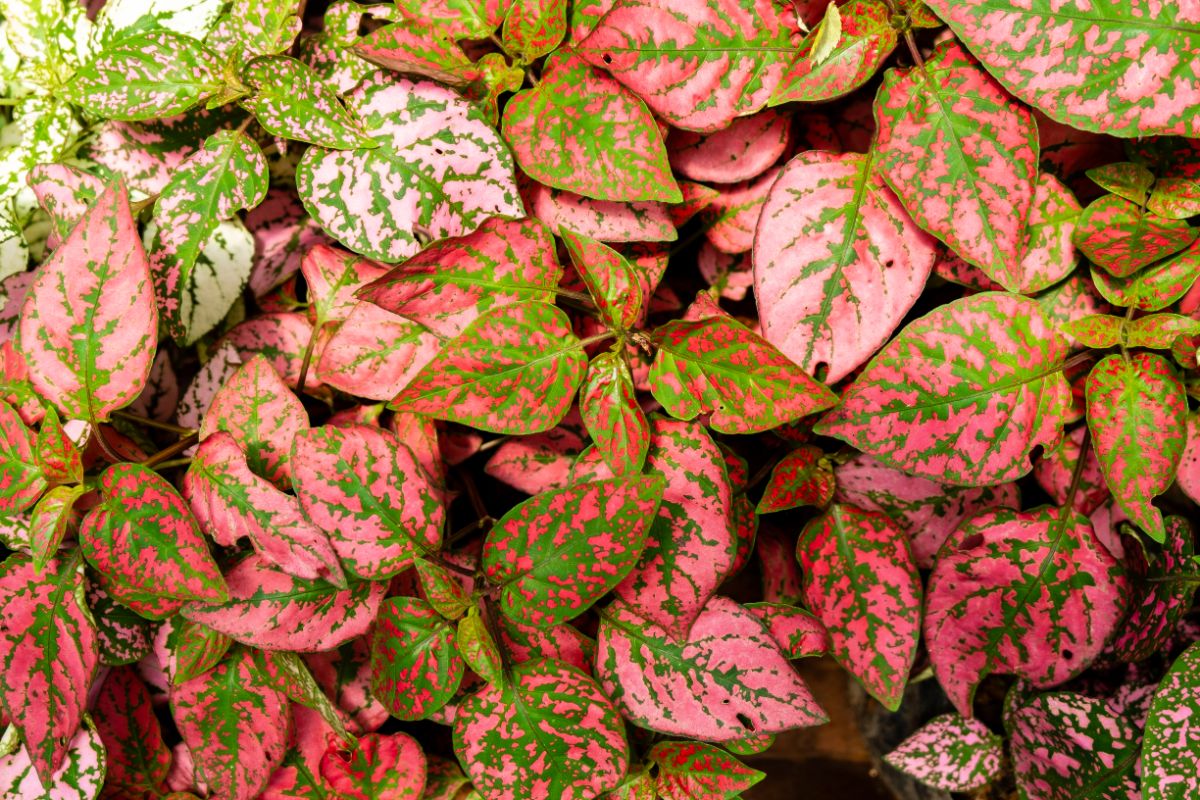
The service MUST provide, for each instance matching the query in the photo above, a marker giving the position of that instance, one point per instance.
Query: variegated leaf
(146, 75)
(256, 27)
(861, 582)
(513, 370)
(538, 463)
(375, 353)
(1031, 593)
(462, 19)
(124, 635)
(137, 759)
(478, 649)
(1166, 597)
(48, 651)
(90, 321)
(688, 770)
(1065, 746)
(1121, 237)
(49, 522)
(194, 18)
(235, 724)
(1048, 251)
(448, 285)
(740, 152)
(533, 28)
(559, 552)
(605, 220)
(1137, 412)
(1160, 331)
(81, 777)
(366, 489)
(610, 411)
(618, 287)
(731, 53)
(961, 395)
(1169, 749)
(271, 610)
(553, 712)
(830, 294)
(231, 502)
(798, 479)
(418, 47)
(439, 170)
(415, 665)
(704, 686)
(798, 633)
(143, 538)
(952, 753)
(1095, 67)
(443, 589)
(59, 458)
(64, 192)
(261, 414)
(381, 767)
(962, 157)
(1155, 287)
(1055, 473)
(187, 649)
(582, 131)
(862, 43)
(22, 480)
(291, 100)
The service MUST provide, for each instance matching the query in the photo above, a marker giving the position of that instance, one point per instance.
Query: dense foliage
(495, 398)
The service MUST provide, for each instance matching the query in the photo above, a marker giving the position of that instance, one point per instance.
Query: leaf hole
(607, 58)
(971, 542)
(1068, 655)
(821, 371)
(746, 722)
(888, 264)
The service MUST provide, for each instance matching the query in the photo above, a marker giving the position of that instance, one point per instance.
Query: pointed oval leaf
(49, 522)
(559, 552)
(415, 665)
(90, 321)
(137, 760)
(739, 152)
(1136, 82)
(57, 454)
(720, 367)
(688, 770)
(1119, 236)
(1169, 749)
(798, 479)
(610, 411)
(514, 370)
(962, 157)
(48, 650)
(292, 101)
(231, 502)
(582, 131)
(81, 777)
(143, 538)
(951, 753)
(22, 480)
(961, 395)
(618, 287)
(443, 589)
(830, 294)
(271, 610)
(64, 192)
(1032, 594)
(861, 582)
(850, 57)
(124, 635)
(478, 649)
(732, 53)
(333, 276)
(1137, 412)
(381, 767)
(375, 354)
(1155, 287)
(365, 487)
(1160, 331)
(145, 76)
(235, 724)
(706, 686)
(1048, 252)
(551, 710)
(438, 171)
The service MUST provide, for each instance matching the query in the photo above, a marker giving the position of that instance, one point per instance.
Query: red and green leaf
(962, 395)
(618, 287)
(611, 413)
(743, 150)
(952, 753)
(375, 353)
(187, 649)
(137, 761)
(798, 479)
(606, 220)
(559, 552)
(550, 732)
(1155, 287)
(533, 28)
(48, 523)
(478, 649)
(89, 322)
(1055, 473)
(22, 480)
(381, 767)
(798, 633)
(689, 770)
(1166, 598)
(725, 680)
(861, 582)
(1119, 236)
(1137, 413)
(418, 47)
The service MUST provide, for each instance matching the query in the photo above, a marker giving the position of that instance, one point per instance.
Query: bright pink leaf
(1165, 598)
(1055, 472)
(333, 277)
(136, 760)
(798, 479)
(537, 463)
(740, 152)
(375, 354)
(22, 479)
(381, 767)
(81, 777)
(605, 220)
(951, 753)
(798, 633)
(733, 215)
(617, 286)
(281, 337)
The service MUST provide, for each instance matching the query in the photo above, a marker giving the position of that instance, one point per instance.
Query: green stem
(172, 451)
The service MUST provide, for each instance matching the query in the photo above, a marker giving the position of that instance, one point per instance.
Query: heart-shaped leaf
(671, 53)
(951, 753)
(143, 538)
(862, 43)
(415, 666)
(1121, 237)
(513, 370)
(1030, 47)
(961, 395)
(381, 767)
(861, 582)
(582, 131)
(22, 480)
(689, 770)
(439, 170)
(550, 709)
(1137, 412)
(559, 552)
(235, 723)
(89, 322)
(137, 761)
(720, 367)
(962, 157)
(1168, 752)
(291, 100)
(271, 610)
(830, 294)
(610, 411)
(44, 613)
(704, 686)
(1031, 593)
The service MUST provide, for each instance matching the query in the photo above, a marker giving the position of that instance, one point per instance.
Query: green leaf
(292, 101)
(415, 665)
(478, 649)
(533, 28)
(690, 770)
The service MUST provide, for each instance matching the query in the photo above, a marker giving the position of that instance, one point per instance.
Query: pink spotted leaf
(704, 686)
(1155, 287)
(1159, 331)
(1119, 236)
(798, 633)
(606, 220)
(22, 479)
(831, 295)
(513, 370)
(559, 552)
(952, 753)
(272, 610)
(538, 463)
(418, 47)
(89, 321)
(1099, 331)
(442, 588)
(533, 28)
(81, 777)
(1168, 751)
(739, 152)
(446, 171)
(689, 770)
(1069, 590)
(381, 767)
(64, 192)
(618, 287)
(610, 411)
(1165, 598)
(1048, 250)
(57, 454)
(187, 649)
(289, 99)
(800, 478)
(962, 157)
(1137, 413)
(969, 409)
(137, 759)
(1055, 472)
(124, 636)
(375, 354)
(48, 524)
(333, 277)
(861, 582)
(551, 709)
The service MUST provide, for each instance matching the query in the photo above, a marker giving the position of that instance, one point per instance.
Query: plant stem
(308, 351)
(111, 454)
(171, 451)
(911, 41)
(153, 423)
